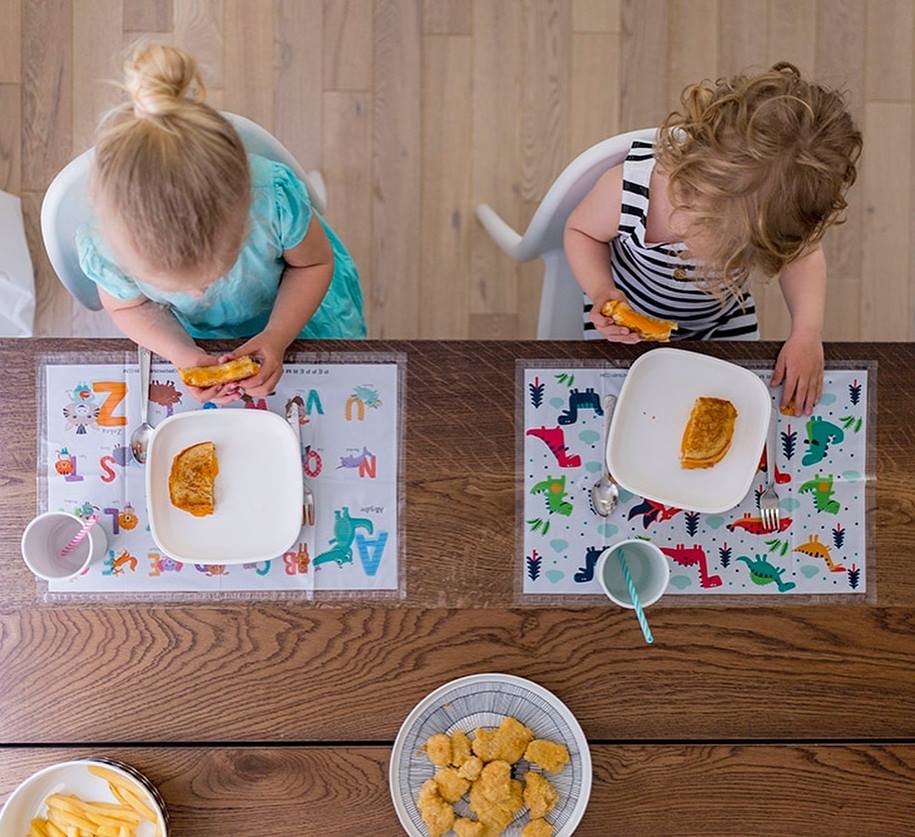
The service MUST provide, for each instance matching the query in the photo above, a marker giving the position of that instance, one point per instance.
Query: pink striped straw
(78, 537)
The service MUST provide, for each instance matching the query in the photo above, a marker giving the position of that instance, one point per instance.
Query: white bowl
(258, 508)
(483, 700)
(643, 447)
(27, 801)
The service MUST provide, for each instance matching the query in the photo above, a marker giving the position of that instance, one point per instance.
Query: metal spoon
(139, 439)
(604, 493)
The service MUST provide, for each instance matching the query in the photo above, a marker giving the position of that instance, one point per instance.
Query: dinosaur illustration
(554, 488)
(587, 400)
(165, 395)
(341, 544)
(815, 549)
(820, 435)
(762, 573)
(822, 490)
(653, 512)
(754, 525)
(693, 556)
(117, 564)
(780, 476)
(586, 573)
(555, 440)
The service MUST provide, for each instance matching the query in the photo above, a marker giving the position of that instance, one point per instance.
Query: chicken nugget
(438, 749)
(513, 737)
(495, 781)
(451, 786)
(460, 748)
(437, 814)
(548, 754)
(494, 815)
(471, 768)
(464, 827)
(539, 795)
(485, 745)
(537, 828)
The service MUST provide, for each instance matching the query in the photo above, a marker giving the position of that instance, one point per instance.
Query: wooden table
(741, 719)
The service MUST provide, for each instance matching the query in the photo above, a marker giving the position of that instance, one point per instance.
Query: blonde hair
(171, 167)
(758, 168)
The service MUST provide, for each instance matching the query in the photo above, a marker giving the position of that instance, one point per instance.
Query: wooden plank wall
(416, 110)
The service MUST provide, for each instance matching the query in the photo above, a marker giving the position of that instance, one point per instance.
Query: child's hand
(606, 326)
(200, 358)
(800, 367)
(268, 350)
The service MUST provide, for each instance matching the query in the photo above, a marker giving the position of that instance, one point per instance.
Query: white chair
(66, 205)
(561, 315)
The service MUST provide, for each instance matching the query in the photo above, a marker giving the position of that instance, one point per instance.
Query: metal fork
(768, 500)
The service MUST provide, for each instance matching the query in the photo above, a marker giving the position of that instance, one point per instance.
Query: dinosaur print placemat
(352, 433)
(821, 472)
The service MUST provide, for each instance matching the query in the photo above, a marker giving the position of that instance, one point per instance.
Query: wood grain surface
(541, 81)
(637, 790)
(717, 671)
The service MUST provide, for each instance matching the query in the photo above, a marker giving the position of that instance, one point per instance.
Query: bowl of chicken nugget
(489, 755)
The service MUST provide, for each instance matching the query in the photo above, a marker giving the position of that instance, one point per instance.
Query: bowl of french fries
(85, 798)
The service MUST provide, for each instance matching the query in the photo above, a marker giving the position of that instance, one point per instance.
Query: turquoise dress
(239, 303)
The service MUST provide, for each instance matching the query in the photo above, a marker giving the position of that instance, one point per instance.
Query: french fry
(37, 828)
(68, 818)
(130, 798)
(53, 830)
(112, 778)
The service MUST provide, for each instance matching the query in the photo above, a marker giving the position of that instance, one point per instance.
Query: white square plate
(643, 448)
(258, 509)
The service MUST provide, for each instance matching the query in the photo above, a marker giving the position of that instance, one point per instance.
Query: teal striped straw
(634, 598)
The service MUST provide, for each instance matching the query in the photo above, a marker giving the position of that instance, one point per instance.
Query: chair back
(66, 205)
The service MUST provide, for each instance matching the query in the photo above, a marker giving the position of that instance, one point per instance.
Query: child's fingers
(778, 375)
(812, 397)
(204, 394)
(800, 397)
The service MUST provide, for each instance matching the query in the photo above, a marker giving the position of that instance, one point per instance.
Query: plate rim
(196, 415)
(494, 677)
(668, 501)
(89, 760)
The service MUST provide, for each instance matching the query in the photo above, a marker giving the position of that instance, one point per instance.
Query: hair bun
(161, 80)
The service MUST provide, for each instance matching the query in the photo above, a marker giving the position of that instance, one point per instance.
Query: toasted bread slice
(708, 433)
(192, 478)
(220, 373)
(648, 328)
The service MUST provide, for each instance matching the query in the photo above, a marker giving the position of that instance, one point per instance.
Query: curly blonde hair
(758, 168)
(172, 168)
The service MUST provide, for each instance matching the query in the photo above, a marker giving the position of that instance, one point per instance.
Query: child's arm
(800, 362)
(156, 328)
(309, 270)
(589, 229)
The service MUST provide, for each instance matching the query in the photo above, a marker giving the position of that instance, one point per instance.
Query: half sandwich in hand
(220, 373)
(648, 328)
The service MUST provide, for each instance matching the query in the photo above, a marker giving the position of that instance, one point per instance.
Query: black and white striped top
(658, 279)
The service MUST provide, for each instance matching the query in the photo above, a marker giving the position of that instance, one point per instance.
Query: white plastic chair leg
(500, 232)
